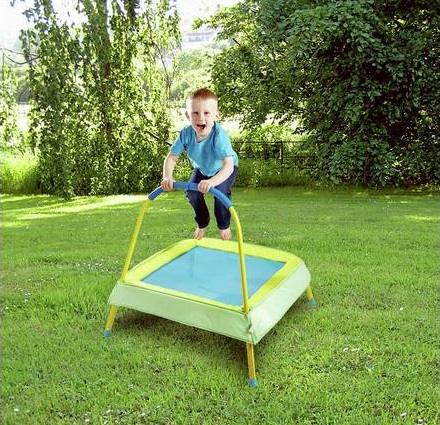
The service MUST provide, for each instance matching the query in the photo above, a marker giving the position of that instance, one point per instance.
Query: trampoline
(232, 288)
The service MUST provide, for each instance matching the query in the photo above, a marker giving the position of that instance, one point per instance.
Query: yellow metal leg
(251, 365)
(310, 297)
(110, 320)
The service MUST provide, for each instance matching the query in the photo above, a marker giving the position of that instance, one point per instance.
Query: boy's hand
(204, 186)
(167, 184)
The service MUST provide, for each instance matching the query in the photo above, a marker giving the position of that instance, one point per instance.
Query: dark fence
(286, 154)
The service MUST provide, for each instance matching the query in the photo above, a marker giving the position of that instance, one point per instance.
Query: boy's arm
(220, 177)
(168, 167)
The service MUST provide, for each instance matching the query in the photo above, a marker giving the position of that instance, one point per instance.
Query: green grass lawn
(366, 354)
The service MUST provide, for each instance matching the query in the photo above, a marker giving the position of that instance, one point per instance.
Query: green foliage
(271, 155)
(269, 173)
(263, 142)
(97, 130)
(9, 131)
(192, 70)
(19, 173)
(363, 76)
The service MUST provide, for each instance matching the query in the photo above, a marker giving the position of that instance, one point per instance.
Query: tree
(9, 133)
(95, 126)
(362, 75)
(192, 71)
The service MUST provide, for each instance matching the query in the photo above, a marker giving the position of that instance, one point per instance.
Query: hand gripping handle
(193, 186)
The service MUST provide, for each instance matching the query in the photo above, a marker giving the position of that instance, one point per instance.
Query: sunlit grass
(367, 354)
(19, 173)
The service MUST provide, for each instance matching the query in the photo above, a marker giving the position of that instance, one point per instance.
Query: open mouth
(201, 127)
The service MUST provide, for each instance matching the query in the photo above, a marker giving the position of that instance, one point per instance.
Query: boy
(214, 161)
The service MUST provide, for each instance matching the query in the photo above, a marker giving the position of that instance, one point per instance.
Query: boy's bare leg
(225, 234)
(199, 233)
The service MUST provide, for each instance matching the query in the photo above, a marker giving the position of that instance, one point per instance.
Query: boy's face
(202, 115)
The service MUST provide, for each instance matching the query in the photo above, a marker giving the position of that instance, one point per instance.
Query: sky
(12, 19)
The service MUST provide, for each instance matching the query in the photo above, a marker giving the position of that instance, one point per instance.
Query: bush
(269, 173)
(272, 155)
(183, 170)
(19, 173)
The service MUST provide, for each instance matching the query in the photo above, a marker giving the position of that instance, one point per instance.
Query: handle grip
(193, 186)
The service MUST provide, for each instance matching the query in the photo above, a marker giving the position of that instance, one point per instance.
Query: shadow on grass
(210, 346)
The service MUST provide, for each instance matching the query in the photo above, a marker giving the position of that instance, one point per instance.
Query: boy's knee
(193, 195)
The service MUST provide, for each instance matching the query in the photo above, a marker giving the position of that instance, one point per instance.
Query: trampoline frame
(239, 247)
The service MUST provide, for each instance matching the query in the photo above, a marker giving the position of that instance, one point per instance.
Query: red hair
(203, 94)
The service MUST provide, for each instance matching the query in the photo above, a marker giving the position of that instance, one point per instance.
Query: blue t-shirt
(208, 154)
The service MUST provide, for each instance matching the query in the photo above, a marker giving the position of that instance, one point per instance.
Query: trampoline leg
(312, 302)
(252, 381)
(110, 320)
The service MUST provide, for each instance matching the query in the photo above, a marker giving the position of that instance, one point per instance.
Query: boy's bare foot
(199, 233)
(225, 234)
